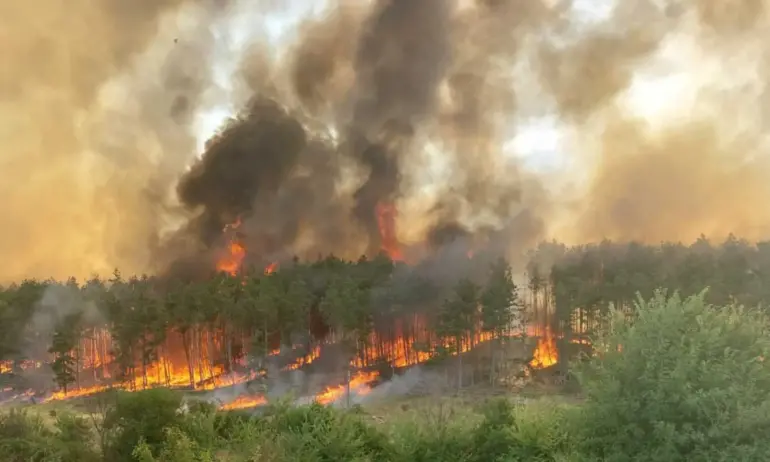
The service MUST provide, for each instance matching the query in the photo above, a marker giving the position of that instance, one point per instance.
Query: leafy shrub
(23, 438)
(141, 416)
(682, 380)
(451, 436)
(542, 431)
(226, 422)
(26, 438)
(177, 447)
(74, 439)
(322, 433)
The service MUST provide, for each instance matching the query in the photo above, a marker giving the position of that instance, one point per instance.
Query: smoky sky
(400, 102)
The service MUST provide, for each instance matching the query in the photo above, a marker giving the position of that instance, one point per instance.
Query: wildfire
(269, 269)
(386, 221)
(244, 402)
(25, 365)
(231, 262)
(545, 353)
(359, 385)
(401, 351)
(195, 369)
(76, 393)
(305, 360)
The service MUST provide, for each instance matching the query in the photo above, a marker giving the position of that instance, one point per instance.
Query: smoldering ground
(402, 102)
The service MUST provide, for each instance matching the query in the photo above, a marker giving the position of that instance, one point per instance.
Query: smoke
(373, 103)
(414, 381)
(59, 306)
(98, 100)
(698, 172)
(319, 189)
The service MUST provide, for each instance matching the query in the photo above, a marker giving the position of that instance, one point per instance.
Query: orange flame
(403, 352)
(76, 393)
(244, 402)
(305, 360)
(231, 262)
(545, 353)
(195, 360)
(359, 385)
(386, 222)
(270, 269)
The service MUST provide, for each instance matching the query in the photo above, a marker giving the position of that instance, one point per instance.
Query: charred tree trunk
(458, 342)
(228, 339)
(94, 353)
(188, 356)
(199, 353)
(77, 365)
(210, 352)
(492, 369)
(143, 352)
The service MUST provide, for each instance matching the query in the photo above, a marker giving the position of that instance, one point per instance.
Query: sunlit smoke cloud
(418, 104)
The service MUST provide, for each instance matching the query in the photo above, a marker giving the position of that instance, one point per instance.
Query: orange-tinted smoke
(386, 222)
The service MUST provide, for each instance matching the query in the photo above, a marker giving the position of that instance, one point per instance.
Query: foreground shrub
(141, 416)
(177, 447)
(26, 438)
(497, 436)
(680, 381)
(320, 433)
(23, 437)
(74, 439)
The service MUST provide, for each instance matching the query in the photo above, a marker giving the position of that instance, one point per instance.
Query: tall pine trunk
(492, 368)
(188, 356)
(458, 341)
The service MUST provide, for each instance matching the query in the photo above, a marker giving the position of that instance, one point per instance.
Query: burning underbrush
(305, 372)
(243, 335)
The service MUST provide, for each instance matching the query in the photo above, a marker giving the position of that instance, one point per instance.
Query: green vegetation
(679, 380)
(116, 331)
(226, 323)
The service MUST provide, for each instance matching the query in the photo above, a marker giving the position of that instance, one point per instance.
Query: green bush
(680, 381)
(177, 447)
(320, 433)
(26, 438)
(141, 416)
(23, 438)
(74, 439)
(461, 437)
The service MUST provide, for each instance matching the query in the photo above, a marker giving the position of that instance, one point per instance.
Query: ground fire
(209, 356)
(546, 354)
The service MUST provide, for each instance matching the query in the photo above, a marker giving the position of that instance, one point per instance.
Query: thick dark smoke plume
(397, 60)
(252, 155)
(402, 56)
(402, 102)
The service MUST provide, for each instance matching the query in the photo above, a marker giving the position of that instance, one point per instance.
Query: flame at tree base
(545, 354)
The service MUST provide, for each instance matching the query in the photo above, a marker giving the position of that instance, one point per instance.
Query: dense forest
(146, 331)
(577, 285)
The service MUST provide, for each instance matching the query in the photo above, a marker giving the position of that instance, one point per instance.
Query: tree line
(578, 285)
(372, 310)
(130, 330)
